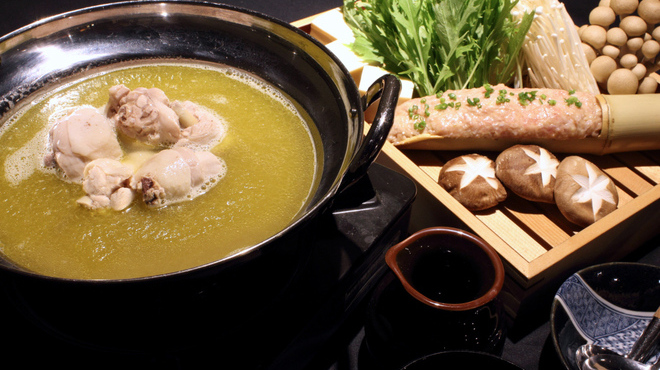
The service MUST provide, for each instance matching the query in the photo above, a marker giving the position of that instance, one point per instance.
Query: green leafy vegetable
(440, 44)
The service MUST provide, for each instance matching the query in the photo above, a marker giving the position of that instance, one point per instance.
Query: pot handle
(387, 89)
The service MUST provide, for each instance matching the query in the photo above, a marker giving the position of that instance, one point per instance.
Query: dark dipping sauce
(448, 277)
(449, 274)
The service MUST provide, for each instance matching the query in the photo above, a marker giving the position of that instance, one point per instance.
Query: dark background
(18, 13)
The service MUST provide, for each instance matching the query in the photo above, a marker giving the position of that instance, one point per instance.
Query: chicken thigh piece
(175, 175)
(145, 115)
(115, 94)
(106, 183)
(199, 127)
(79, 138)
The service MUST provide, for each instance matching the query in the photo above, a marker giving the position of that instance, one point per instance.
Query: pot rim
(86, 15)
(491, 293)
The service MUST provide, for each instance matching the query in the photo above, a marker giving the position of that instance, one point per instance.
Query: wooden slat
(621, 173)
(643, 164)
(654, 155)
(509, 231)
(305, 22)
(541, 224)
(427, 161)
(629, 179)
(609, 239)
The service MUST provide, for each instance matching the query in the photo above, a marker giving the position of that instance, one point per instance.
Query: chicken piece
(177, 174)
(183, 110)
(105, 182)
(144, 114)
(116, 93)
(79, 138)
(135, 159)
(201, 128)
(121, 198)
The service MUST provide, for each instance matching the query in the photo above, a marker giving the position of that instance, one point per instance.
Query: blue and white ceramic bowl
(608, 305)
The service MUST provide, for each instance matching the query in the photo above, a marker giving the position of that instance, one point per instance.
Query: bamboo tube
(630, 122)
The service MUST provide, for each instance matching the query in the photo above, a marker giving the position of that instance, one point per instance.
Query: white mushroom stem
(554, 36)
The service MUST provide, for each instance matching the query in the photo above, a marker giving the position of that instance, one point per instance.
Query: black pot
(151, 311)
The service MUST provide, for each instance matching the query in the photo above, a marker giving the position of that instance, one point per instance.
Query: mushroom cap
(529, 171)
(648, 85)
(471, 180)
(649, 10)
(650, 48)
(635, 43)
(584, 193)
(656, 33)
(616, 36)
(628, 60)
(633, 25)
(622, 81)
(611, 51)
(624, 7)
(595, 36)
(602, 67)
(602, 16)
(589, 52)
(639, 70)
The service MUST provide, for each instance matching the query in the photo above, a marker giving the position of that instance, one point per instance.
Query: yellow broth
(271, 160)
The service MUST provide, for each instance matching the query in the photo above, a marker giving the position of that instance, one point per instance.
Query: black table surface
(532, 351)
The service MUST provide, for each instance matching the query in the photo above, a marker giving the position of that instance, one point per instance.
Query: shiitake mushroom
(471, 180)
(529, 171)
(583, 192)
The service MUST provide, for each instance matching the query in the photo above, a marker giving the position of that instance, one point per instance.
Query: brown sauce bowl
(440, 294)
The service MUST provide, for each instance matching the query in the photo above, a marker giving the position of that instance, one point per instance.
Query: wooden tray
(539, 247)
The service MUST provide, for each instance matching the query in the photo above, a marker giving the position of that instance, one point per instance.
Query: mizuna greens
(440, 44)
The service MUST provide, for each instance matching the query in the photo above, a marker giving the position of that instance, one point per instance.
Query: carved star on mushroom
(593, 187)
(474, 168)
(545, 164)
